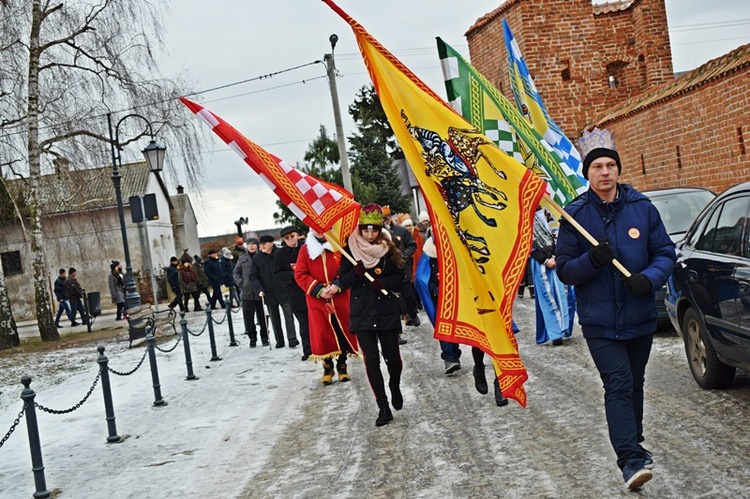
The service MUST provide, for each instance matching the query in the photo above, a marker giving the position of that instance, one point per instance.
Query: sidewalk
(104, 322)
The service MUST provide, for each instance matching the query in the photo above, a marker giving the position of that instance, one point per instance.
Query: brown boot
(343, 374)
(327, 378)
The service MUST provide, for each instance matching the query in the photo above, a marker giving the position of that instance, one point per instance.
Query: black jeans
(250, 310)
(622, 365)
(177, 300)
(304, 331)
(76, 305)
(196, 296)
(408, 299)
(368, 341)
(291, 333)
(216, 296)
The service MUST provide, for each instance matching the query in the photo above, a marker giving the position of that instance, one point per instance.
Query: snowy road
(259, 424)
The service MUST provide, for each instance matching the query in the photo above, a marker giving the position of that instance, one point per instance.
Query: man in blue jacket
(617, 313)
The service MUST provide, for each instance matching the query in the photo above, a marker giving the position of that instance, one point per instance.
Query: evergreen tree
(373, 150)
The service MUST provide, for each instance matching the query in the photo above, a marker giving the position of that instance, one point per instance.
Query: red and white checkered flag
(322, 206)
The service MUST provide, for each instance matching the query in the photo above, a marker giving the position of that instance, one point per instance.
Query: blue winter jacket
(633, 227)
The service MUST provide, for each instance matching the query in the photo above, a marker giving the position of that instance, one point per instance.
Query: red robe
(310, 274)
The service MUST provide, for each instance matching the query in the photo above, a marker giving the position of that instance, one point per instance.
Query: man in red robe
(328, 312)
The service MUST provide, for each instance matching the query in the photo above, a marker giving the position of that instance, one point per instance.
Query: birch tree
(65, 66)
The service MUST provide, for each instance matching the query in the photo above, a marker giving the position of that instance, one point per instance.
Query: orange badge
(378, 271)
(634, 233)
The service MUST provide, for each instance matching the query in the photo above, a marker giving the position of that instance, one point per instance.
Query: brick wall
(559, 35)
(703, 124)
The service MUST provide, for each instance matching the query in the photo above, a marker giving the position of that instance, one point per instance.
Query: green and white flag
(482, 105)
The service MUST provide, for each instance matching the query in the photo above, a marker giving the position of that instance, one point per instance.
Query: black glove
(602, 254)
(377, 284)
(359, 269)
(638, 284)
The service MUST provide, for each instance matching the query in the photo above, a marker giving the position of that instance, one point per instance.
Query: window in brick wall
(643, 165)
(679, 158)
(565, 73)
(11, 262)
(616, 73)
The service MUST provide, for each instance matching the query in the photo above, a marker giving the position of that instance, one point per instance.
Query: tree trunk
(8, 332)
(47, 329)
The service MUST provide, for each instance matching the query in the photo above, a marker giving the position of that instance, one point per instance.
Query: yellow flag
(481, 205)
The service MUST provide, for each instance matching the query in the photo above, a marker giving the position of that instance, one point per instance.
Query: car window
(679, 210)
(727, 235)
(706, 240)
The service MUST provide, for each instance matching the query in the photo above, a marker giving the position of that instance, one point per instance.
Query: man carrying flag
(481, 204)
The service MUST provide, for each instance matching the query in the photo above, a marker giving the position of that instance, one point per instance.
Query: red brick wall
(703, 124)
(555, 34)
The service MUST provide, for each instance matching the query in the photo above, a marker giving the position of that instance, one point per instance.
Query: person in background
(62, 298)
(617, 314)
(212, 269)
(273, 292)
(74, 293)
(375, 312)
(406, 245)
(284, 263)
(116, 288)
(423, 225)
(226, 265)
(252, 305)
(202, 279)
(252, 246)
(173, 278)
(407, 224)
(189, 284)
(328, 312)
(527, 281)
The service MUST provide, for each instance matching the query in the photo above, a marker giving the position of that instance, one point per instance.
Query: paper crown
(371, 214)
(386, 209)
(596, 139)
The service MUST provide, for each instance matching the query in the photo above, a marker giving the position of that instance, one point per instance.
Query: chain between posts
(78, 405)
(134, 369)
(222, 321)
(14, 425)
(168, 350)
(202, 330)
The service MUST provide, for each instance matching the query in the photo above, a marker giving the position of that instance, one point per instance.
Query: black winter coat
(60, 289)
(405, 242)
(173, 278)
(370, 309)
(212, 269)
(263, 278)
(227, 268)
(284, 262)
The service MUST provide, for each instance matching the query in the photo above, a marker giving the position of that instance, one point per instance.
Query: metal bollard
(186, 344)
(211, 336)
(232, 341)
(109, 408)
(37, 466)
(158, 401)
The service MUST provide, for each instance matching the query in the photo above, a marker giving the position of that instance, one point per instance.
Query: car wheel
(707, 369)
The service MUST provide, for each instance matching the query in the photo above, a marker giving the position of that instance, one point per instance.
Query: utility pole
(331, 72)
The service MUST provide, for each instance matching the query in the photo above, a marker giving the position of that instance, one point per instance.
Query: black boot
(396, 398)
(480, 379)
(384, 416)
(499, 399)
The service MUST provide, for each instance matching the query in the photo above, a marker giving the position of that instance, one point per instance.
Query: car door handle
(692, 276)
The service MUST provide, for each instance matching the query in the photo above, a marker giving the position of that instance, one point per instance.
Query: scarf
(369, 254)
(315, 248)
(188, 275)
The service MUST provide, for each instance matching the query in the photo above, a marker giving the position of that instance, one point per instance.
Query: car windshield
(679, 209)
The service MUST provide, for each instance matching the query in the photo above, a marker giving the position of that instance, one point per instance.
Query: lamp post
(154, 155)
(331, 73)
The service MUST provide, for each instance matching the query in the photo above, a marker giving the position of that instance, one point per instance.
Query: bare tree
(65, 66)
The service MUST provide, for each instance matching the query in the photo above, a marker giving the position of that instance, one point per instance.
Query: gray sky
(226, 41)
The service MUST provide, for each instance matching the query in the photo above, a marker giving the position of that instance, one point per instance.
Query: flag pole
(349, 257)
(583, 231)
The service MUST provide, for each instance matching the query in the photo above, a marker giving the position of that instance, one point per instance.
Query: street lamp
(331, 73)
(154, 155)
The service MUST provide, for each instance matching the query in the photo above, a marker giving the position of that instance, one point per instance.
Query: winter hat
(252, 240)
(173, 259)
(227, 254)
(113, 265)
(596, 144)
(213, 251)
(371, 215)
(288, 230)
(406, 222)
(266, 238)
(423, 217)
(429, 248)
(197, 258)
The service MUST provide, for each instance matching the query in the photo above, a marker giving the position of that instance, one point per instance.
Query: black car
(678, 208)
(709, 294)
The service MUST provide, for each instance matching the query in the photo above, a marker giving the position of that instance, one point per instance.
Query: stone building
(610, 65)
(81, 227)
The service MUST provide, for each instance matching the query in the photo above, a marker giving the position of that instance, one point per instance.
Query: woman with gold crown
(375, 314)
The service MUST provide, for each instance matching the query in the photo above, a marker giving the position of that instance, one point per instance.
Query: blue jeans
(622, 365)
(63, 307)
(450, 351)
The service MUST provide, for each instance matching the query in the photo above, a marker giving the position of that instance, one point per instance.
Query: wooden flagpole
(349, 257)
